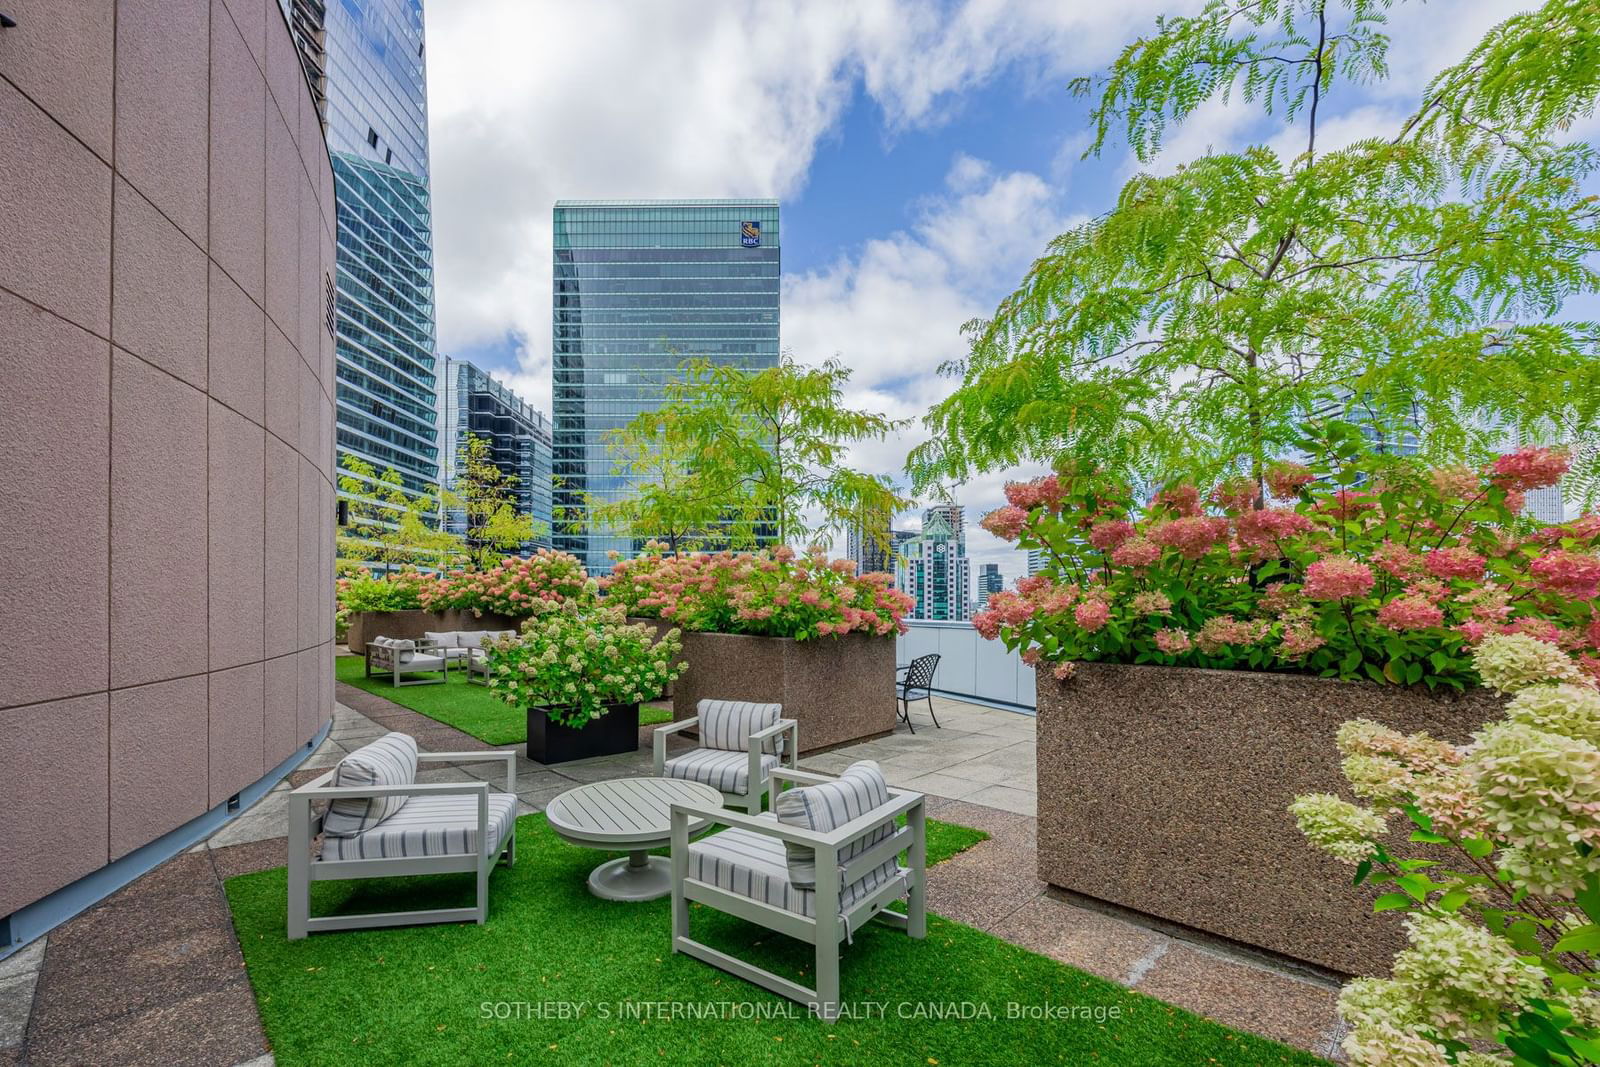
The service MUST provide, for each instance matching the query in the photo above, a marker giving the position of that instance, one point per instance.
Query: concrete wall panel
(167, 508)
(52, 796)
(53, 503)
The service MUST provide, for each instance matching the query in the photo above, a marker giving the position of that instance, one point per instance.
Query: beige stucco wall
(166, 422)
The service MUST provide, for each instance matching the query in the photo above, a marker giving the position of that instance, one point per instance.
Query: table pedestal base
(639, 876)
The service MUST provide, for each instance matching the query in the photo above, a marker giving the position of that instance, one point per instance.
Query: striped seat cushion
(390, 760)
(754, 865)
(728, 724)
(428, 826)
(727, 771)
(821, 808)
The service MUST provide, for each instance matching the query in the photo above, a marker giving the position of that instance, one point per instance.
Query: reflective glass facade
(519, 441)
(639, 287)
(378, 136)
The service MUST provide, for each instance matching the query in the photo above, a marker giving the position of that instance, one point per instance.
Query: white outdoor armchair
(403, 656)
(740, 745)
(435, 828)
(749, 871)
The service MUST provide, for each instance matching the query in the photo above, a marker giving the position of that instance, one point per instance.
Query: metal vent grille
(329, 318)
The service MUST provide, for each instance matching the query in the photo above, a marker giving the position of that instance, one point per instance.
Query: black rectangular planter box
(551, 742)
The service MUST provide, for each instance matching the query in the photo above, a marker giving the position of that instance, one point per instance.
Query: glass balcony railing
(970, 668)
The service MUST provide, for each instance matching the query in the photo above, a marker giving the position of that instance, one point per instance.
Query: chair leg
(827, 1005)
(679, 851)
(931, 715)
(484, 866)
(299, 868)
(917, 899)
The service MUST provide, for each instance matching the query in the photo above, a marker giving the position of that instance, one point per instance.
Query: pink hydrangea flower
(1456, 562)
(1285, 480)
(1220, 631)
(1234, 494)
(1107, 536)
(1299, 641)
(1183, 499)
(1571, 574)
(1349, 503)
(1270, 525)
(1152, 603)
(1530, 468)
(1193, 536)
(1409, 613)
(1139, 552)
(1045, 492)
(1396, 559)
(1173, 642)
(1092, 615)
(1336, 578)
(1005, 523)
(1458, 483)
(1063, 671)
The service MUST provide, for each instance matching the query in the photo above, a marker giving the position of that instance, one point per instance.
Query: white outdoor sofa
(380, 822)
(465, 649)
(740, 744)
(401, 656)
(816, 885)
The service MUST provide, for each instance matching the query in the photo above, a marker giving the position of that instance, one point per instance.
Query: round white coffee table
(630, 815)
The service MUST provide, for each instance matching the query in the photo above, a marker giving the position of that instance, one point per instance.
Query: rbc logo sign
(750, 234)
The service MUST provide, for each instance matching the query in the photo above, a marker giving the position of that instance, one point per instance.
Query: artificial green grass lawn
(558, 976)
(469, 708)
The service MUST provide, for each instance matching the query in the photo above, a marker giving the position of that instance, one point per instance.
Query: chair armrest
(341, 792)
(658, 741)
(759, 738)
(800, 777)
(681, 724)
(477, 757)
(769, 827)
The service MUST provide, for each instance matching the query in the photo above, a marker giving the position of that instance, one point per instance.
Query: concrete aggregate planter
(1165, 790)
(839, 689)
(456, 619)
(365, 626)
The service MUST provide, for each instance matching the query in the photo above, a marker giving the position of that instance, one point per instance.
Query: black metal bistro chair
(916, 684)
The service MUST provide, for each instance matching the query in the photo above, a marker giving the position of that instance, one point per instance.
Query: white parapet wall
(969, 666)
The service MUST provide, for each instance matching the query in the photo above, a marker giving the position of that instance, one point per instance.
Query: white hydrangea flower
(1337, 826)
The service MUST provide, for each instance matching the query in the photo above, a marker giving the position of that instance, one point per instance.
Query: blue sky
(924, 153)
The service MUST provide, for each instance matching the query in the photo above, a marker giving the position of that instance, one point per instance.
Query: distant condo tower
(368, 75)
(640, 286)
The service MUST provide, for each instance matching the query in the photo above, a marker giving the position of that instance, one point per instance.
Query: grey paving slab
(1021, 801)
(16, 1004)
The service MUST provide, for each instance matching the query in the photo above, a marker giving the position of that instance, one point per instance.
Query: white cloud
(892, 312)
(533, 102)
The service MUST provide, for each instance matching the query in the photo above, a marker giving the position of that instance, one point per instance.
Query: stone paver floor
(154, 973)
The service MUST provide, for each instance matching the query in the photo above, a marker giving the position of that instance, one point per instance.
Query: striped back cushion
(827, 807)
(390, 760)
(402, 648)
(728, 724)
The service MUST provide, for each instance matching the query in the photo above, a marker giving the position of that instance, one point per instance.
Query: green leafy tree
(487, 496)
(666, 499)
(387, 525)
(765, 449)
(1192, 328)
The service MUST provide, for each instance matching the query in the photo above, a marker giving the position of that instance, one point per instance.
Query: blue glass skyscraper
(377, 125)
(640, 286)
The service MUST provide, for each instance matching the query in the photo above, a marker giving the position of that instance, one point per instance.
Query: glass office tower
(640, 286)
(377, 124)
(519, 442)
